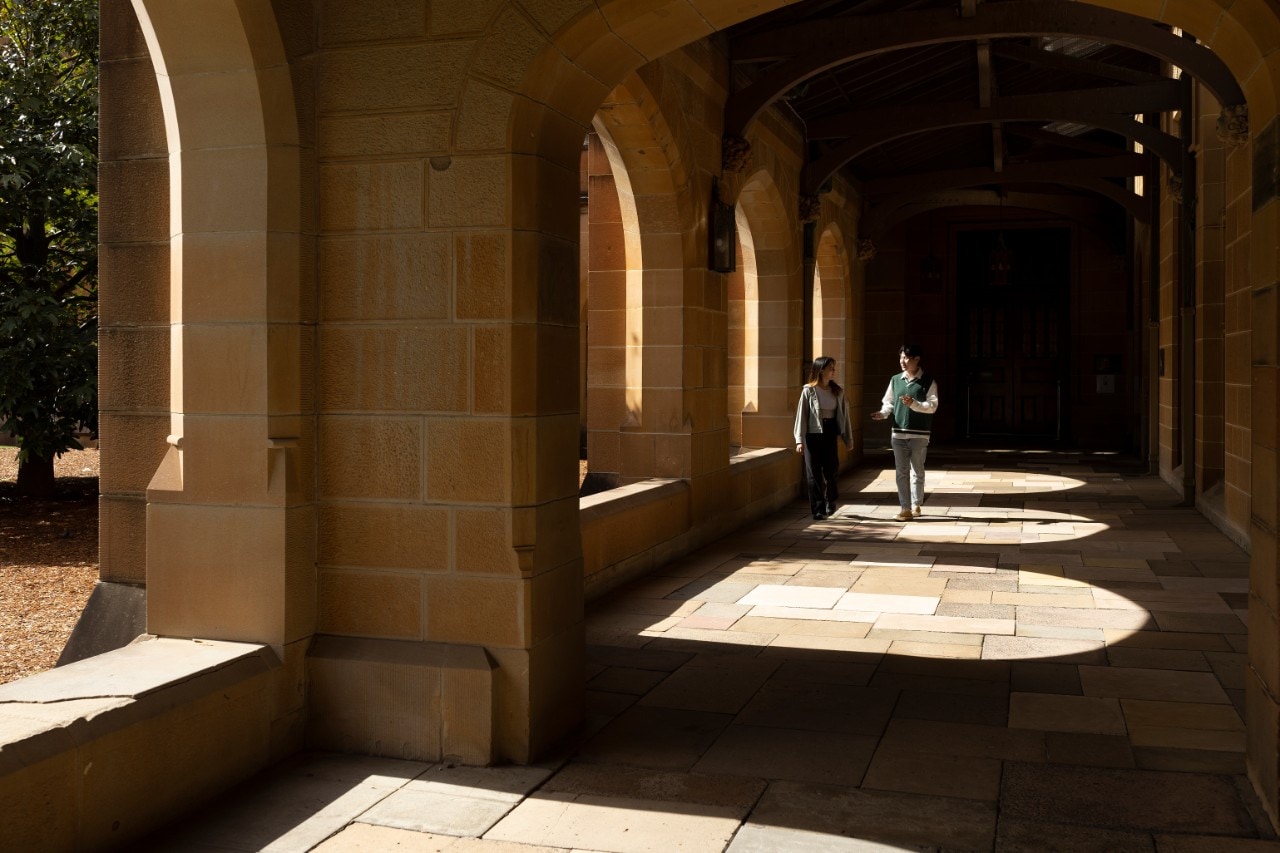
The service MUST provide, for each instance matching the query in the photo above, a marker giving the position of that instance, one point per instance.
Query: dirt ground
(48, 562)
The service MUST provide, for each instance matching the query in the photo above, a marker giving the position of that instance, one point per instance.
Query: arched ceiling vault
(908, 97)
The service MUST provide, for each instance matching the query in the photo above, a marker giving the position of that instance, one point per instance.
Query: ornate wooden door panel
(1012, 329)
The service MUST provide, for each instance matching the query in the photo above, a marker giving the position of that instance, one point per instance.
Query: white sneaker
(916, 512)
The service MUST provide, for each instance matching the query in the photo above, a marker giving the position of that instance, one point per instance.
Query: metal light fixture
(1000, 262)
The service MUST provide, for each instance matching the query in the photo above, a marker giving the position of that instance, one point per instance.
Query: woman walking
(822, 417)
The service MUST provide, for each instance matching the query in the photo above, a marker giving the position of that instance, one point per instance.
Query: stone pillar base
(408, 700)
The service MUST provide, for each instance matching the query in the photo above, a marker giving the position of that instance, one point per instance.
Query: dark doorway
(1013, 288)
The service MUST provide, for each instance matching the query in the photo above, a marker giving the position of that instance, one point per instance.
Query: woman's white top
(826, 402)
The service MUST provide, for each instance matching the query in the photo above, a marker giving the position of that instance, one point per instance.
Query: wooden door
(1013, 329)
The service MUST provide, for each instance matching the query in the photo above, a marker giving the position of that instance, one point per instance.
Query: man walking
(912, 400)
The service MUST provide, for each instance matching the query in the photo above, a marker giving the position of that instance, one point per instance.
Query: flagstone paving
(1050, 658)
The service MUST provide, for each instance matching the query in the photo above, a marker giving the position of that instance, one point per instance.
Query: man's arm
(930, 403)
(886, 404)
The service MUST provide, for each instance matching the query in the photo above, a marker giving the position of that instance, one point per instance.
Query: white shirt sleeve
(930, 404)
(886, 403)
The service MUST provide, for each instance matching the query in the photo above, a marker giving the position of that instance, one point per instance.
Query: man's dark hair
(912, 350)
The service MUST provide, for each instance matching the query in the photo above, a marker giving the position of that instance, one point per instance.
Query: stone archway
(237, 336)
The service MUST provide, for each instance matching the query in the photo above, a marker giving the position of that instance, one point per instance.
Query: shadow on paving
(1044, 691)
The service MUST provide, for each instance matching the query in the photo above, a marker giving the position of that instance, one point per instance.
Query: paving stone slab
(843, 671)
(714, 689)
(1167, 640)
(813, 614)
(502, 784)
(280, 813)
(1213, 844)
(1208, 623)
(1043, 677)
(609, 780)
(820, 707)
(1058, 632)
(1190, 760)
(1056, 713)
(967, 739)
(1090, 750)
(661, 738)
(886, 817)
(437, 811)
(778, 595)
(836, 758)
(944, 624)
(1157, 684)
(1133, 620)
(1043, 648)
(367, 838)
(1024, 836)
(1184, 738)
(1180, 659)
(1124, 799)
(753, 838)
(1205, 717)
(617, 824)
(951, 651)
(975, 611)
(895, 768)
(634, 682)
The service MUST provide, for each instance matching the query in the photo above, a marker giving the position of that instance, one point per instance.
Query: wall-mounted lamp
(722, 234)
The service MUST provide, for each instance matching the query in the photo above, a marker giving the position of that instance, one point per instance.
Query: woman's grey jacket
(809, 415)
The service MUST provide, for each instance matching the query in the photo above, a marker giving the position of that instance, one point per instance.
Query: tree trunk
(35, 478)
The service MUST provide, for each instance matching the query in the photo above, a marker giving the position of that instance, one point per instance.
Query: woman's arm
(802, 418)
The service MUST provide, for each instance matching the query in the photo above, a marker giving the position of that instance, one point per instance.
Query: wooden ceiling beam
(1167, 148)
(1134, 205)
(887, 212)
(1075, 143)
(1053, 60)
(1118, 100)
(1058, 171)
(812, 47)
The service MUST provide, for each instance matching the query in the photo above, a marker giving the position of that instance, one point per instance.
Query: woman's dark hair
(820, 364)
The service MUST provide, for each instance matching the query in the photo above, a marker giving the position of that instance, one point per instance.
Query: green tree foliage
(48, 229)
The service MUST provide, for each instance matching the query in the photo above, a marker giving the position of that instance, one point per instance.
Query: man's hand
(877, 416)
(799, 448)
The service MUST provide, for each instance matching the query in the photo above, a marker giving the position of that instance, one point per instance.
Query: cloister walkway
(1050, 659)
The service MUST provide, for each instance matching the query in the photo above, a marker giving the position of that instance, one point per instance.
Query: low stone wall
(630, 530)
(98, 753)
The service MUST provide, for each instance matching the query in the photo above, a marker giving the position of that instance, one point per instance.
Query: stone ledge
(630, 530)
(106, 749)
(630, 496)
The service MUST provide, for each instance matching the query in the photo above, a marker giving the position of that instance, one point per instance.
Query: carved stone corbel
(735, 153)
(810, 207)
(866, 250)
(1174, 187)
(1233, 125)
